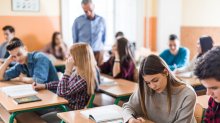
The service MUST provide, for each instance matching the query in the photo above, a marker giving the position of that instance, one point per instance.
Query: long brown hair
(151, 65)
(124, 51)
(85, 64)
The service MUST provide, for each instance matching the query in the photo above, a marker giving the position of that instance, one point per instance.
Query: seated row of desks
(122, 89)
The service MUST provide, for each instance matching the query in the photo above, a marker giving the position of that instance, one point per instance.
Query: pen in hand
(133, 116)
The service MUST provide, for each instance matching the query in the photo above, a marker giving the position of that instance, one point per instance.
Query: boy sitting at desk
(208, 71)
(35, 65)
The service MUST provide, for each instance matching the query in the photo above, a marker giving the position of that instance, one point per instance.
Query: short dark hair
(208, 66)
(14, 43)
(119, 34)
(173, 37)
(8, 27)
(86, 1)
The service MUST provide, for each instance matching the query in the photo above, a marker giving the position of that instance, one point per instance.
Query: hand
(37, 86)
(133, 120)
(9, 59)
(69, 65)
(144, 120)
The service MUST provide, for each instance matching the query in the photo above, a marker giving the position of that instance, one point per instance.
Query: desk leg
(120, 98)
(12, 117)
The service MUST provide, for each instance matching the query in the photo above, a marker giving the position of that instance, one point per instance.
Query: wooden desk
(77, 117)
(49, 99)
(192, 81)
(203, 100)
(122, 89)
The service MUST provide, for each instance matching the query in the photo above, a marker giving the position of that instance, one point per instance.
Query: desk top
(121, 88)
(48, 99)
(203, 100)
(192, 81)
(77, 117)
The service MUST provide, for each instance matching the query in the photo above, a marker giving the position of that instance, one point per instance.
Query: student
(207, 70)
(9, 33)
(175, 56)
(121, 63)
(161, 98)
(80, 77)
(35, 65)
(204, 44)
(57, 47)
(119, 35)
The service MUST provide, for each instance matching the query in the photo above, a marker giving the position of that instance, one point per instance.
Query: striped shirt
(73, 88)
(212, 114)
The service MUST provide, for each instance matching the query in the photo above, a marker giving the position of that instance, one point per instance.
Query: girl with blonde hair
(80, 78)
(161, 97)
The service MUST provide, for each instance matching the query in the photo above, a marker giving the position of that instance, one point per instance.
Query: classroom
(109, 61)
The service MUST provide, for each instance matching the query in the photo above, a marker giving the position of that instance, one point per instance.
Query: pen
(133, 116)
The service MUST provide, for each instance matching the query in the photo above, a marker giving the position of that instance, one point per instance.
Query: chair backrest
(199, 112)
(90, 103)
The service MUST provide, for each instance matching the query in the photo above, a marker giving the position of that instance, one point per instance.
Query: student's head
(56, 39)
(17, 51)
(155, 76)
(85, 64)
(119, 35)
(204, 44)
(174, 44)
(88, 8)
(122, 46)
(9, 32)
(208, 71)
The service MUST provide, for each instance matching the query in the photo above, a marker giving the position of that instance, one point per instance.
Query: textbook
(27, 99)
(18, 91)
(104, 114)
(107, 81)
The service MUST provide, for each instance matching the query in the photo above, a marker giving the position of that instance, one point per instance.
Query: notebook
(107, 81)
(104, 114)
(27, 99)
(18, 91)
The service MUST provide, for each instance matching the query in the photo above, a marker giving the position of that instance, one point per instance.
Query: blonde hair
(153, 65)
(85, 64)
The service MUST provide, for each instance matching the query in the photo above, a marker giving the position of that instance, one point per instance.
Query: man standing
(90, 28)
(9, 33)
(175, 56)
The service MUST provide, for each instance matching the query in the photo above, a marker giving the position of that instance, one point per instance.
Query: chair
(199, 112)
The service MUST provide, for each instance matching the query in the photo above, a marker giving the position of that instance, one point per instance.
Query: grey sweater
(182, 106)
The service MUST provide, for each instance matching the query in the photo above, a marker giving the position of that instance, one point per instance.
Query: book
(104, 114)
(27, 99)
(107, 81)
(17, 91)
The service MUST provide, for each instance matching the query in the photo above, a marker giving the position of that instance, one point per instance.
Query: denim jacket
(38, 66)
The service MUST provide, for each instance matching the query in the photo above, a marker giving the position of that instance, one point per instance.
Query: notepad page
(19, 90)
(107, 81)
(100, 114)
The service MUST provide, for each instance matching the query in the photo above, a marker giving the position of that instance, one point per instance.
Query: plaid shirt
(73, 88)
(212, 114)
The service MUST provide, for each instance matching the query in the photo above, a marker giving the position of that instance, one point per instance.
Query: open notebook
(107, 81)
(18, 91)
(184, 75)
(104, 114)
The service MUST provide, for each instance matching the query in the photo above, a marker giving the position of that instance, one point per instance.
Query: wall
(34, 28)
(199, 17)
(169, 21)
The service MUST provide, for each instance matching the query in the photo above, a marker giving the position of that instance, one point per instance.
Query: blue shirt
(180, 59)
(92, 32)
(39, 67)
